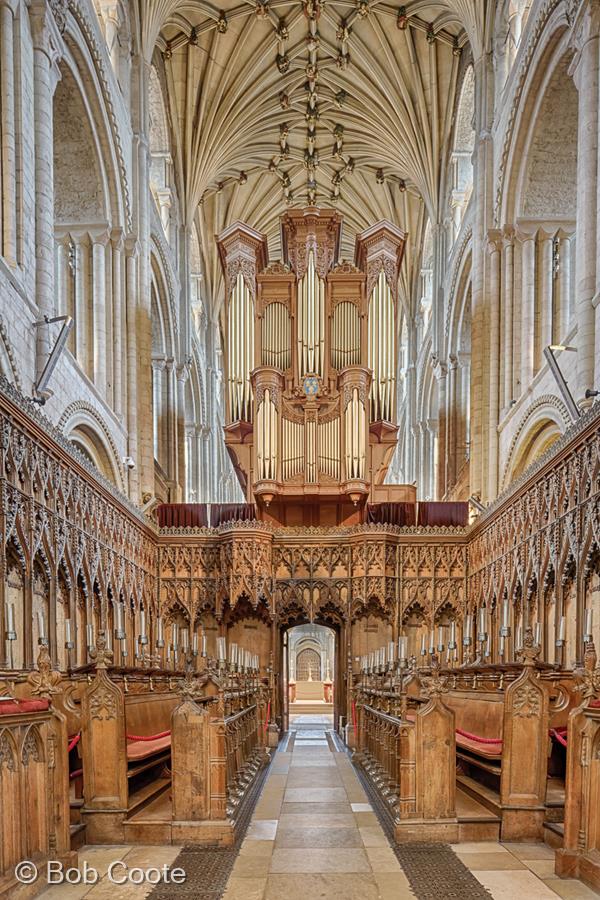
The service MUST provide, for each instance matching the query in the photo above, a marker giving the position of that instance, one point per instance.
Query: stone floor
(315, 835)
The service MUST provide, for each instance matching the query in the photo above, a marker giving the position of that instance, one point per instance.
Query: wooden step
(146, 794)
(77, 831)
(484, 795)
(554, 833)
(75, 806)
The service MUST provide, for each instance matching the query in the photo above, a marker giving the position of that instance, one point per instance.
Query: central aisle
(313, 833)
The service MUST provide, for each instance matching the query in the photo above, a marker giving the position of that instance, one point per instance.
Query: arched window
(462, 152)
(161, 162)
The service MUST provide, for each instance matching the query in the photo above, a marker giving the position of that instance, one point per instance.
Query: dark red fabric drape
(451, 515)
(231, 512)
(401, 514)
(182, 515)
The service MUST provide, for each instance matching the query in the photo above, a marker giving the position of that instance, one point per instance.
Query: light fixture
(563, 387)
(41, 392)
(477, 503)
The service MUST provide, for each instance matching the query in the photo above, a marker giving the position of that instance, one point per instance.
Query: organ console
(311, 363)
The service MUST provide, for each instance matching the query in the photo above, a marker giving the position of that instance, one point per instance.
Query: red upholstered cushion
(490, 751)
(16, 707)
(137, 750)
(595, 704)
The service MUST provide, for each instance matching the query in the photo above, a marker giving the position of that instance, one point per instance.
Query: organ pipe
(267, 428)
(293, 449)
(355, 433)
(311, 321)
(329, 448)
(240, 356)
(311, 460)
(381, 332)
(276, 337)
(345, 336)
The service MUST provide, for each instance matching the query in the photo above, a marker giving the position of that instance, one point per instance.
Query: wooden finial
(45, 682)
(530, 651)
(101, 655)
(589, 676)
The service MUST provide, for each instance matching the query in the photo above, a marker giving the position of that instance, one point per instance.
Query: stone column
(546, 294)
(61, 274)
(181, 475)
(585, 74)
(170, 444)
(494, 246)
(439, 475)
(81, 305)
(527, 309)
(564, 284)
(158, 367)
(508, 300)
(7, 120)
(417, 434)
(99, 318)
(131, 253)
(464, 360)
(453, 412)
(47, 50)
(432, 430)
(118, 329)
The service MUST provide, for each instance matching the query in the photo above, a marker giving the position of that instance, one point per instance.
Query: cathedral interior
(300, 449)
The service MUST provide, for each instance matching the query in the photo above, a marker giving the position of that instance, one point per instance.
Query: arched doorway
(308, 665)
(310, 674)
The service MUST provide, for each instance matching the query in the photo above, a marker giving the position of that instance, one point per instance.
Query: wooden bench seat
(487, 751)
(137, 750)
(480, 715)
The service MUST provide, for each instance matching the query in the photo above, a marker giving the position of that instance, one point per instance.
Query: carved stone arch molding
(82, 414)
(461, 276)
(162, 267)
(83, 38)
(549, 27)
(548, 408)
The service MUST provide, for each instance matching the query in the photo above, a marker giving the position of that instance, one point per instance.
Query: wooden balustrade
(411, 762)
(580, 855)
(34, 786)
(218, 747)
(503, 717)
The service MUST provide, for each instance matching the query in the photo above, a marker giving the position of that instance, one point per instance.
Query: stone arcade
(299, 449)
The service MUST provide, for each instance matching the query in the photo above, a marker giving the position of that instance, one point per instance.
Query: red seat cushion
(16, 707)
(490, 751)
(137, 750)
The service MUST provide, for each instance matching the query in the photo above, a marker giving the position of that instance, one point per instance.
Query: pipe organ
(311, 361)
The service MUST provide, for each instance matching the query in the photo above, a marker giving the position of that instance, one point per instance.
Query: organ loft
(309, 367)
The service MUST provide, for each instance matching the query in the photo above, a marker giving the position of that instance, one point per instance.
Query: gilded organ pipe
(311, 321)
(276, 344)
(381, 342)
(345, 336)
(240, 342)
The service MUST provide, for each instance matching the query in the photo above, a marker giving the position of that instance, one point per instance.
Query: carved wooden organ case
(310, 358)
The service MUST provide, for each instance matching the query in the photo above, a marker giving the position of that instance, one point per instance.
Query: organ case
(311, 359)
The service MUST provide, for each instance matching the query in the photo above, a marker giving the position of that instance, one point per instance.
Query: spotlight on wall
(476, 502)
(129, 462)
(563, 387)
(41, 392)
(590, 393)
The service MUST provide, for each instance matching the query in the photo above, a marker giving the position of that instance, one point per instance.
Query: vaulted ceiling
(342, 102)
